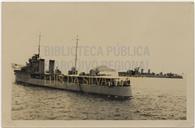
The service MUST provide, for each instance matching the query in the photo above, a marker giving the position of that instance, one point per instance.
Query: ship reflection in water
(154, 99)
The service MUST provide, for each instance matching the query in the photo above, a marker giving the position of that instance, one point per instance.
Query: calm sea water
(154, 99)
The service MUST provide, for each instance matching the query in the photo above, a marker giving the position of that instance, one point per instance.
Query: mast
(77, 40)
(39, 45)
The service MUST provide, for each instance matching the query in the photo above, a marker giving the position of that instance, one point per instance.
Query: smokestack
(51, 66)
(41, 66)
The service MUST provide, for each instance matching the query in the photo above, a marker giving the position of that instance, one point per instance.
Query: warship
(149, 74)
(101, 80)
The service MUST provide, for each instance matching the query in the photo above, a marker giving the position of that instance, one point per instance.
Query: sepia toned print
(98, 61)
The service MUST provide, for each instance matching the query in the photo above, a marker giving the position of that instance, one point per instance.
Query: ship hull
(116, 91)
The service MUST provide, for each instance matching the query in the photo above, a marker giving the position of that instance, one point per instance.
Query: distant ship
(149, 74)
(101, 80)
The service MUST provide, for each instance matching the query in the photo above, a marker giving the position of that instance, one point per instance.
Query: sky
(156, 36)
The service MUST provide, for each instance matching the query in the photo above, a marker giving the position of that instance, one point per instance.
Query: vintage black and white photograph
(97, 61)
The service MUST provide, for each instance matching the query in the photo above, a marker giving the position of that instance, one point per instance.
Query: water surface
(154, 99)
